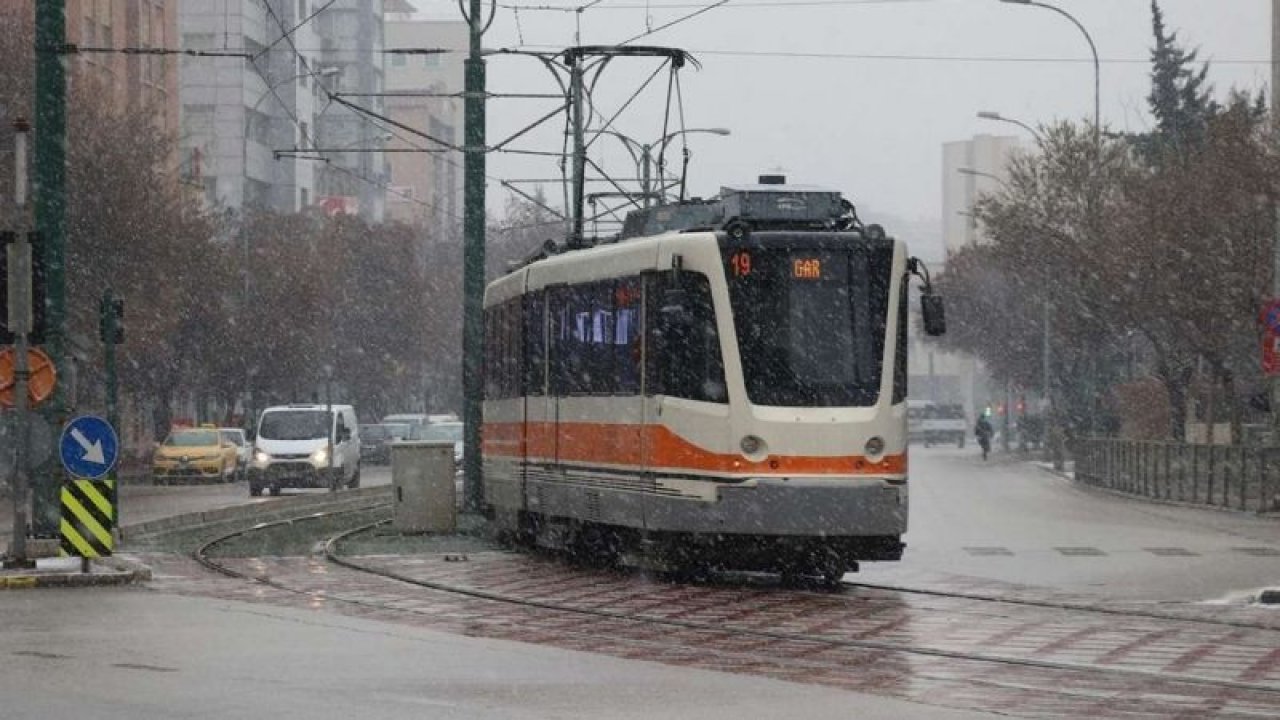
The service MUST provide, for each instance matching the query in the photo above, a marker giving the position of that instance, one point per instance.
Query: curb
(124, 572)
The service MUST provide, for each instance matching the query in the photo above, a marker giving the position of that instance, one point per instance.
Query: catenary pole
(50, 203)
(1274, 381)
(473, 263)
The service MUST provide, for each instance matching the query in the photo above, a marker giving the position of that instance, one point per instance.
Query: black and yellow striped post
(88, 518)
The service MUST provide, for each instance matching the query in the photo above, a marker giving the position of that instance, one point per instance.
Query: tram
(722, 386)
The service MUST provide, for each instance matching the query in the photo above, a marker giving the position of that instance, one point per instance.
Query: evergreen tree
(1180, 96)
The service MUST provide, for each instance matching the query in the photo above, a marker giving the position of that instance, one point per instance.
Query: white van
(305, 446)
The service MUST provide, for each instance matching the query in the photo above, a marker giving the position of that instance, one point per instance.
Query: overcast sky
(871, 127)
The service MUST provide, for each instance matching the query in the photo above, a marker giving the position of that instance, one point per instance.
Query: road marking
(983, 551)
(1171, 552)
(1257, 551)
(1080, 551)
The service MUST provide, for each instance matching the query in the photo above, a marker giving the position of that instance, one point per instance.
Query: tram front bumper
(847, 507)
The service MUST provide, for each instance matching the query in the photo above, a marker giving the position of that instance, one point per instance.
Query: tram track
(1058, 605)
(329, 548)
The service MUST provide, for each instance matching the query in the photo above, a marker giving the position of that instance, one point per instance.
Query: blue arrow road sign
(89, 447)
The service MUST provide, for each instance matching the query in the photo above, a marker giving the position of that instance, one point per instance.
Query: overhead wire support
(73, 49)
(289, 34)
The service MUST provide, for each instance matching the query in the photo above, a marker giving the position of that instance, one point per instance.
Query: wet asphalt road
(1010, 521)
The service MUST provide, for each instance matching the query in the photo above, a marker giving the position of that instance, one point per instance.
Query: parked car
(194, 454)
(305, 446)
(420, 418)
(945, 424)
(375, 441)
(236, 437)
(447, 431)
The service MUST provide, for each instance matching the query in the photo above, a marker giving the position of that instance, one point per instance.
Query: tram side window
(684, 358)
(595, 339)
(502, 347)
(535, 350)
(625, 340)
(490, 353)
(511, 380)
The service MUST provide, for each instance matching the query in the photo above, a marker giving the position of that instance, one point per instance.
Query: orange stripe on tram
(624, 444)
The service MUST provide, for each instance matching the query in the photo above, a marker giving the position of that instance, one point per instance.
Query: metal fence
(1230, 476)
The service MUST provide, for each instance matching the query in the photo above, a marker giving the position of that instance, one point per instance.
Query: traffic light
(39, 276)
(111, 319)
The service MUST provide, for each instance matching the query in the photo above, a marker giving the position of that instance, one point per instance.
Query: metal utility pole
(473, 264)
(51, 225)
(1274, 381)
(19, 323)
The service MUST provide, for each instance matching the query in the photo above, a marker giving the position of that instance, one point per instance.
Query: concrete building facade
(426, 187)
(987, 156)
(970, 168)
(132, 82)
(256, 131)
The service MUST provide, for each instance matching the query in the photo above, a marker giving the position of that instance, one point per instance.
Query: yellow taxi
(194, 454)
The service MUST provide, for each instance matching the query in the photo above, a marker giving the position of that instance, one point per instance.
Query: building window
(302, 130)
(302, 10)
(431, 60)
(304, 199)
(397, 60)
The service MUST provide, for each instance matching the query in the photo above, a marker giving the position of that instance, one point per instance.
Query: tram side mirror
(933, 313)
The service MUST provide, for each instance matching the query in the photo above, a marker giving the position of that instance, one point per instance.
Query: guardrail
(1229, 476)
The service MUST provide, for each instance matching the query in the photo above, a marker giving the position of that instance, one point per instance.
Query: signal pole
(473, 263)
(51, 226)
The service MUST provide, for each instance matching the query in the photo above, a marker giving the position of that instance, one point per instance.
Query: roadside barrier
(1237, 477)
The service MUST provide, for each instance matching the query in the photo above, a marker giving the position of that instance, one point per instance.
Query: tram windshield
(810, 323)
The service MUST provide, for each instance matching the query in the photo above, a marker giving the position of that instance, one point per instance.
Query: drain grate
(1080, 551)
(988, 551)
(1171, 552)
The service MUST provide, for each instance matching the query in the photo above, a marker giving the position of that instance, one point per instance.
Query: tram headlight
(752, 446)
(875, 447)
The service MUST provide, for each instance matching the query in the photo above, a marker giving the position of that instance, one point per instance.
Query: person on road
(983, 432)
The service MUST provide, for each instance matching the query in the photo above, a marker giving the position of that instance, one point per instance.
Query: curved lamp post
(997, 117)
(1097, 74)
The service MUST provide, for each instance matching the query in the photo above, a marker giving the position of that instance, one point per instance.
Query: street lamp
(1097, 74)
(979, 173)
(644, 159)
(989, 115)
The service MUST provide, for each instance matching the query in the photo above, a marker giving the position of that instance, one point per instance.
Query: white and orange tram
(732, 395)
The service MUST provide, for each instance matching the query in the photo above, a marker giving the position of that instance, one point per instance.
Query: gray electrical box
(425, 494)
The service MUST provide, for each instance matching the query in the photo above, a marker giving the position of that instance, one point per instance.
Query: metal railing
(1238, 477)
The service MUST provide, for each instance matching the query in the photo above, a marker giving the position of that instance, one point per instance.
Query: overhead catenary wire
(534, 48)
